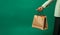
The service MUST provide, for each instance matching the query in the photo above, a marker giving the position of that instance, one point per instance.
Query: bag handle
(40, 13)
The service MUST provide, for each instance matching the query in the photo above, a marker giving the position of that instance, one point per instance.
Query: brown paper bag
(40, 22)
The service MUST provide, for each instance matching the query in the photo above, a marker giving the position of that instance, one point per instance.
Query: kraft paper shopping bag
(40, 22)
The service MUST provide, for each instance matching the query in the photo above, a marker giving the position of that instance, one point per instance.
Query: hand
(40, 9)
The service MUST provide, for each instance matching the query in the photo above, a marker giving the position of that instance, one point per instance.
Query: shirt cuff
(46, 3)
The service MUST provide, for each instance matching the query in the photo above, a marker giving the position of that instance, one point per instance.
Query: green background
(16, 17)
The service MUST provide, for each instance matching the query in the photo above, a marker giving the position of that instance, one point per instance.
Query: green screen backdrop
(16, 17)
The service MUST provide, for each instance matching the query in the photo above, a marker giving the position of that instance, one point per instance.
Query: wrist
(43, 7)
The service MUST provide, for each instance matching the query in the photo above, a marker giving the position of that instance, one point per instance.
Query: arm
(46, 3)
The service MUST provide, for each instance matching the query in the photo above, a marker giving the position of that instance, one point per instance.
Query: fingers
(40, 9)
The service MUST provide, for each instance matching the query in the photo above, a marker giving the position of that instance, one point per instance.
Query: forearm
(46, 3)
